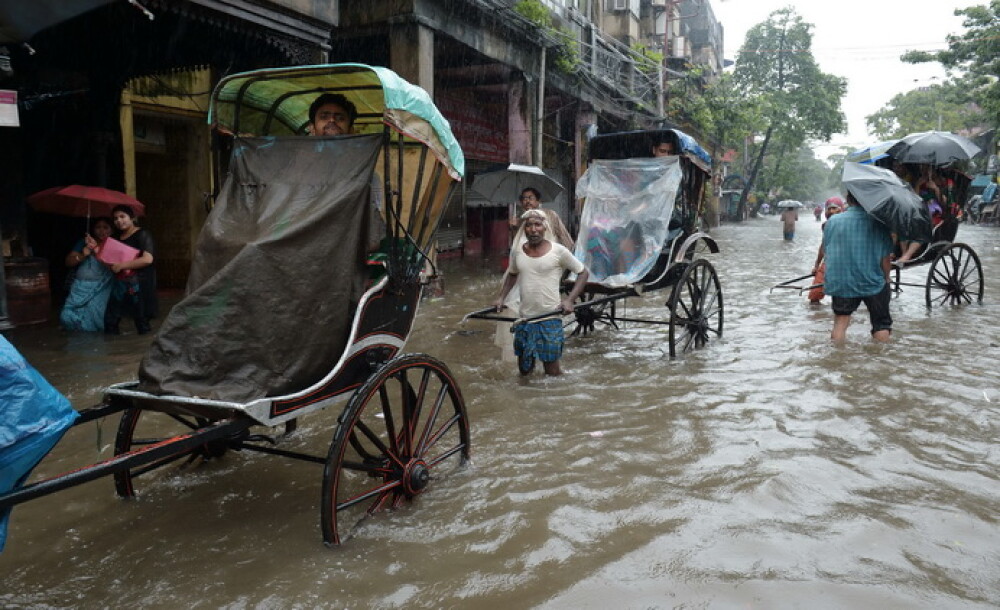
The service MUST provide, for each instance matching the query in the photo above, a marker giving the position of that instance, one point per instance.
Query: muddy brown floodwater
(769, 470)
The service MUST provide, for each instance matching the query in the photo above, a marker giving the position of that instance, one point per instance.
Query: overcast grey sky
(860, 40)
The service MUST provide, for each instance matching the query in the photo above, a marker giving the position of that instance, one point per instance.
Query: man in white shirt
(537, 268)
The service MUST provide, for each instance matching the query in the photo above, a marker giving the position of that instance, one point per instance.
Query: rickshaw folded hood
(275, 101)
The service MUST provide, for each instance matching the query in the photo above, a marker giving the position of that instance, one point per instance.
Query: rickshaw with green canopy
(292, 307)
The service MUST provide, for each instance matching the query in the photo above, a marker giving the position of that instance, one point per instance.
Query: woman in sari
(88, 293)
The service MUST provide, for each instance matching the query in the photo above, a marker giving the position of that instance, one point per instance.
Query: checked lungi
(542, 340)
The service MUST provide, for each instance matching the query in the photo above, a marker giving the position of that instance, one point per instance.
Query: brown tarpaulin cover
(279, 267)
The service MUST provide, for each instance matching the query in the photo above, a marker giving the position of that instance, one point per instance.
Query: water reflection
(770, 470)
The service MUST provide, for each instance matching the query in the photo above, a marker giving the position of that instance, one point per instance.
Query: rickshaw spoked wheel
(405, 427)
(696, 311)
(142, 427)
(955, 277)
(585, 319)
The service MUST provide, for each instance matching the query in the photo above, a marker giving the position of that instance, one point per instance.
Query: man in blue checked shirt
(857, 269)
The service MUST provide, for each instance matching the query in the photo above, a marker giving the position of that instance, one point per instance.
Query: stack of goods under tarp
(33, 417)
(279, 268)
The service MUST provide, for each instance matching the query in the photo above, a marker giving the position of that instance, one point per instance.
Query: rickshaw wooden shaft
(147, 454)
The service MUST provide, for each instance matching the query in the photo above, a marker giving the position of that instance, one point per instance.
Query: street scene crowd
(324, 237)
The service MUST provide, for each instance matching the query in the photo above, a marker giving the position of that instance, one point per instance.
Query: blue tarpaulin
(33, 417)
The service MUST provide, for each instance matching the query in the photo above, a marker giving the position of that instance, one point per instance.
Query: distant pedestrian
(531, 199)
(788, 218)
(857, 249)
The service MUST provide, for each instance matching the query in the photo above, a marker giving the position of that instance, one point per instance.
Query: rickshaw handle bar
(607, 299)
(785, 284)
(144, 455)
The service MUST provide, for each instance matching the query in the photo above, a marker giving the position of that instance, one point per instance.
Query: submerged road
(771, 469)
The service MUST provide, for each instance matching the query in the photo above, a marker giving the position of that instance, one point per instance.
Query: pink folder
(113, 251)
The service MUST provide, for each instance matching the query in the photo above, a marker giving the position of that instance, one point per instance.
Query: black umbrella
(934, 148)
(889, 200)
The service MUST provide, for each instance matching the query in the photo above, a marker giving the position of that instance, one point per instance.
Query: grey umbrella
(505, 186)
(933, 147)
(888, 199)
(789, 203)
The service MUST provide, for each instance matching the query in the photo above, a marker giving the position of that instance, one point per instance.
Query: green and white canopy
(275, 102)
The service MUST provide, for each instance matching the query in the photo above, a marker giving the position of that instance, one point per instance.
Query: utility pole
(540, 111)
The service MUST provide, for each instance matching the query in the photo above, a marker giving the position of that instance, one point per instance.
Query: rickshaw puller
(537, 268)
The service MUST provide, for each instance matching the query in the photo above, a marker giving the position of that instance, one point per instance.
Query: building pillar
(411, 54)
(518, 123)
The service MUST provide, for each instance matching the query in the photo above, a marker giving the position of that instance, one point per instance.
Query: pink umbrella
(82, 201)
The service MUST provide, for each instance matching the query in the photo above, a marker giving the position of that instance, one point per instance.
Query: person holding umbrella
(91, 285)
(531, 199)
(857, 244)
(789, 214)
(857, 252)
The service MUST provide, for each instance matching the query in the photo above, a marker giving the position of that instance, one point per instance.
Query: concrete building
(522, 90)
(115, 96)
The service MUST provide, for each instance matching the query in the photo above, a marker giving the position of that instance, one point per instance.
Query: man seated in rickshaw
(332, 114)
(662, 147)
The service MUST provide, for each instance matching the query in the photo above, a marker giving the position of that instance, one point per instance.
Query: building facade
(516, 89)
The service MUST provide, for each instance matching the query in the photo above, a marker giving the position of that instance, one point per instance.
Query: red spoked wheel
(404, 428)
(140, 429)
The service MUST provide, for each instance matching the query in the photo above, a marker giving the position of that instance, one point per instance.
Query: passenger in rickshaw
(630, 239)
(934, 190)
(663, 148)
(332, 114)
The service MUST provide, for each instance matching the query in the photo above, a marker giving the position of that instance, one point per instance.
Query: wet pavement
(771, 469)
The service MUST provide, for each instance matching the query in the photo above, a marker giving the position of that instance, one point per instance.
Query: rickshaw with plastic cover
(303, 290)
(639, 235)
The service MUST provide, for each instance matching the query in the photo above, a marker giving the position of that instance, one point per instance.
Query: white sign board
(8, 109)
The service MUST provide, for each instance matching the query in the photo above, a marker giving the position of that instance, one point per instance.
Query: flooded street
(771, 469)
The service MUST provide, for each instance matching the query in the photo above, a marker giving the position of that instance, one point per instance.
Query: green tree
(798, 101)
(945, 107)
(973, 56)
(566, 48)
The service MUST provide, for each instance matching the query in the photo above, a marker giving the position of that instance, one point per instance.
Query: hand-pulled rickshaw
(289, 310)
(955, 276)
(639, 234)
